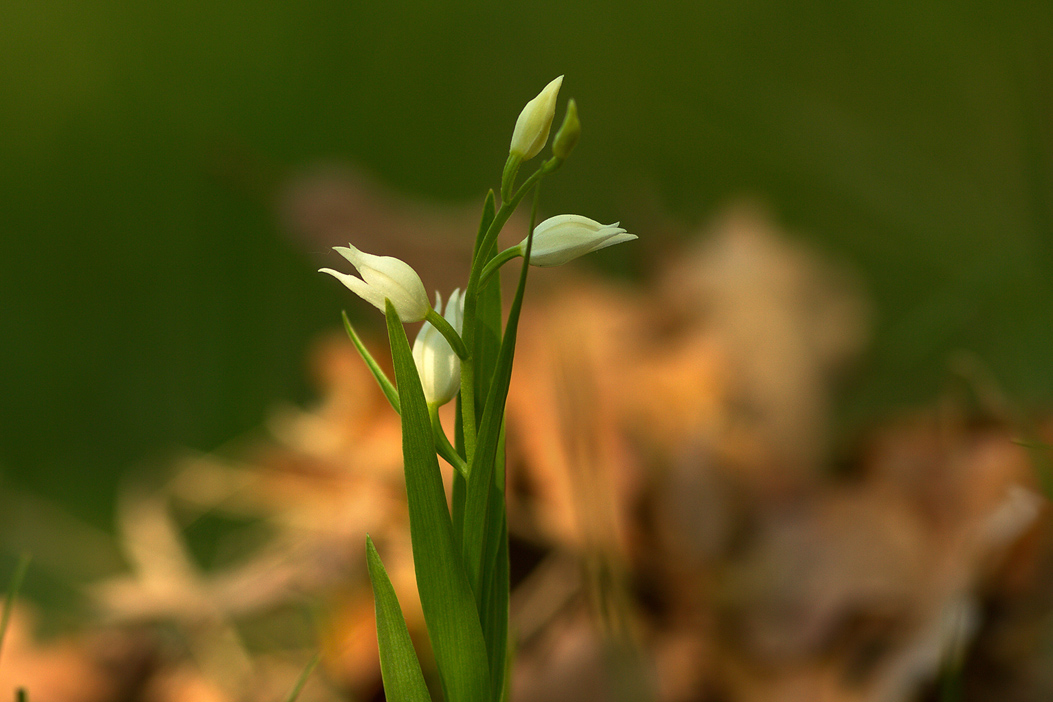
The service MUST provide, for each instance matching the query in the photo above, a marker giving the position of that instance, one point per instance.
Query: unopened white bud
(438, 366)
(535, 121)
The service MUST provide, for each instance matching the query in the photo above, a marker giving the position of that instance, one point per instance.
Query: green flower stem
(442, 444)
(471, 296)
(497, 261)
(447, 330)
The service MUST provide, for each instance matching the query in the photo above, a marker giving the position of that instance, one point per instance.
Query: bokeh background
(152, 299)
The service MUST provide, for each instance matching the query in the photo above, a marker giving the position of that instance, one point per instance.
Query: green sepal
(399, 667)
(445, 593)
(382, 379)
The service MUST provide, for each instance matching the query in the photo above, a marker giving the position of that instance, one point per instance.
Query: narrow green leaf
(459, 484)
(477, 521)
(21, 695)
(489, 208)
(445, 593)
(469, 412)
(487, 335)
(12, 593)
(493, 609)
(302, 680)
(399, 667)
(382, 379)
(510, 654)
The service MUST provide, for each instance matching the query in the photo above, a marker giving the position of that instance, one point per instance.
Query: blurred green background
(150, 300)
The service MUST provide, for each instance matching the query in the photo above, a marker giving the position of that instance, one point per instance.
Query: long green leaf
(469, 413)
(445, 593)
(493, 610)
(479, 519)
(459, 484)
(399, 667)
(487, 333)
(389, 390)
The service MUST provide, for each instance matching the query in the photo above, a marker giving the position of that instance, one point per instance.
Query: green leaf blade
(385, 385)
(445, 593)
(480, 519)
(399, 667)
(493, 608)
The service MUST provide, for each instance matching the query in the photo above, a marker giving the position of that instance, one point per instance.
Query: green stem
(447, 330)
(498, 261)
(442, 444)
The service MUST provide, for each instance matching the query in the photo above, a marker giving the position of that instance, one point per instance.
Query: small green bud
(567, 136)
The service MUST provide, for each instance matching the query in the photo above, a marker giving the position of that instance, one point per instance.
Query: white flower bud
(535, 121)
(437, 364)
(565, 237)
(384, 278)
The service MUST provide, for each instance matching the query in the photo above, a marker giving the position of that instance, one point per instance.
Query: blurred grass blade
(12, 593)
(302, 680)
(445, 594)
(399, 667)
(389, 390)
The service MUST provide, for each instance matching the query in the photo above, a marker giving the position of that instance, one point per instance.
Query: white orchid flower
(563, 238)
(384, 278)
(438, 366)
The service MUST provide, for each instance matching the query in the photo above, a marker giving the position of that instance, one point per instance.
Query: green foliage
(445, 595)
(399, 667)
(460, 553)
(382, 380)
